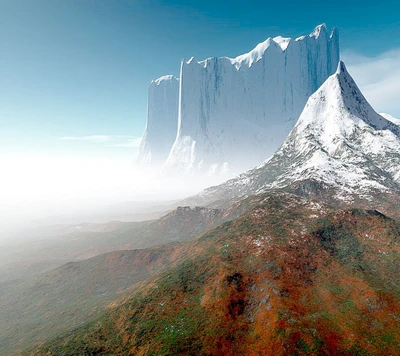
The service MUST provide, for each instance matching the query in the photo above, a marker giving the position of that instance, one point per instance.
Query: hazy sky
(74, 73)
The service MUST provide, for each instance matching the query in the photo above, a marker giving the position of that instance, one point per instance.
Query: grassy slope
(32, 310)
(288, 278)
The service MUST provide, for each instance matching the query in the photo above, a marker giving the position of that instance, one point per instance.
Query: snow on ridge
(164, 78)
(283, 42)
(278, 42)
(318, 30)
(254, 55)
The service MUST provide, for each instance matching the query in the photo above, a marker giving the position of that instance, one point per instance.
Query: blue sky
(75, 69)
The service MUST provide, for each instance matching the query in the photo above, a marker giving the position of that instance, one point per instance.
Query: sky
(74, 74)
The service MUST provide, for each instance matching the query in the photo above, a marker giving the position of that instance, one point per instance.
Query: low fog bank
(57, 211)
(25, 223)
(37, 191)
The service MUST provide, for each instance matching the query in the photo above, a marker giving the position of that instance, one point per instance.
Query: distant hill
(49, 247)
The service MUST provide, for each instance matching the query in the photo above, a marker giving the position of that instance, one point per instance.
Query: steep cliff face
(234, 113)
(162, 122)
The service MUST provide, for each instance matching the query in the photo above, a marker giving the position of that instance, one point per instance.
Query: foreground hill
(71, 295)
(35, 309)
(290, 277)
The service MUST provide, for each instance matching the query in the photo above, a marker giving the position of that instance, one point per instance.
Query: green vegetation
(58, 301)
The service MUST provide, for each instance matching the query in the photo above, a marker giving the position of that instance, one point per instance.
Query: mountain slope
(291, 277)
(339, 143)
(78, 291)
(390, 118)
(34, 310)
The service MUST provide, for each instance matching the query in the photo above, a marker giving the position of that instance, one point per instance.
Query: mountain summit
(339, 141)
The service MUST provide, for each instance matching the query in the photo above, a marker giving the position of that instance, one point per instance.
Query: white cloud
(92, 138)
(110, 140)
(378, 78)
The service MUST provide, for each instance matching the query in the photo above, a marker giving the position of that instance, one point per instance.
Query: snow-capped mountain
(339, 142)
(162, 122)
(235, 112)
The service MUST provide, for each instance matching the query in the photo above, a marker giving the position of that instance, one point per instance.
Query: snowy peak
(341, 141)
(340, 95)
(339, 121)
(320, 29)
(354, 101)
